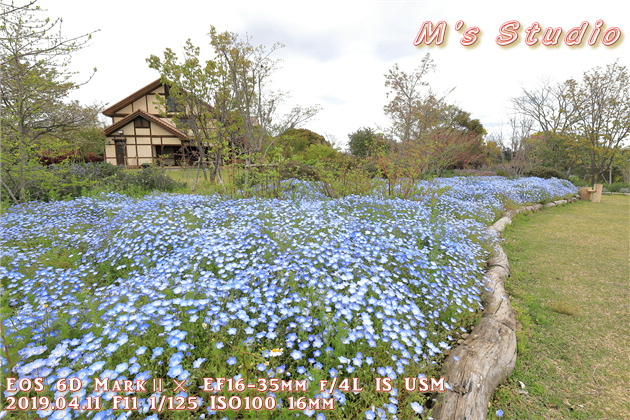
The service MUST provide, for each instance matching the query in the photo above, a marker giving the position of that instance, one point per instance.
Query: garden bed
(186, 287)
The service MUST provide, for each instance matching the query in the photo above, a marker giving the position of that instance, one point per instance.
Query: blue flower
(231, 361)
(173, 341)
(499, 413)
(198, 362)
(175, 371)
(388, 272)
(111, 347)
(64, 372)
(416, 407)
(157, 351)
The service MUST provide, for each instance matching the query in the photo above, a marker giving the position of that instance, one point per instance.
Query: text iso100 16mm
(237, 402)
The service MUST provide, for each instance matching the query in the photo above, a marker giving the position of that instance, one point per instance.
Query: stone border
(487, 356)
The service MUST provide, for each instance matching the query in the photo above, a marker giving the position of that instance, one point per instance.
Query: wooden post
(597, 194)
(584, 193)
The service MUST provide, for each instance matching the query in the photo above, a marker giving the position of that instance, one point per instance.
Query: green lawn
(195, 179)
(570, 287)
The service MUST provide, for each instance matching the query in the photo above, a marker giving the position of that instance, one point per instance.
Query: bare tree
(6, 8)
(549, 106)
(602, 110)
(249, 69)
(595, 113)
(520, 129)
(411, 109)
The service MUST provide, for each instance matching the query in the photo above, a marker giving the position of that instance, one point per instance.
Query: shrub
(297, 170)
(371, 169)
(152, 178)
(544, 172)
(578, 182)
(71, 180)
(473, 172)
(316, 153)
(616, 186)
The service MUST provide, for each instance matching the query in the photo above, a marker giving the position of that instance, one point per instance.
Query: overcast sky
(337, 52)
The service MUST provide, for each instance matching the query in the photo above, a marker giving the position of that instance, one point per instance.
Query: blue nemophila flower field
(187, 287)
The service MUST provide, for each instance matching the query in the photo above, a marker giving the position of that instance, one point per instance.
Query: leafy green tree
(361, 143)
(226, 102)
(317, 153)
(80, 144)
(201, 102)
(296, 140)
(553, 150)
(492, 153)
(461, 119)
(35, 84)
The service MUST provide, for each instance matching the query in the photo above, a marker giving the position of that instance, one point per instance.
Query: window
(140, 122)
(170, 102)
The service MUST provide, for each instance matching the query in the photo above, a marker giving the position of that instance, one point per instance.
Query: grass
(189, 175)
(570, 289)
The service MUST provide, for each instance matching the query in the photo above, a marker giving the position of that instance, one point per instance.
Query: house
(140, 134)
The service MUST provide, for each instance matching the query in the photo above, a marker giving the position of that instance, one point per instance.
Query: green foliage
(317, 153)
(544, 172)
(88, 142)
(69, 180)
(198, 95)
(152, 179)
(578, 182)
(297, 170)
(558, 151)
(35, 83)
(298, 139)
(255, 180)
(361, 142)
(492, 154)
(503, 172)
(617, 186)
(462, 119)
(226, 106)
(342, 180)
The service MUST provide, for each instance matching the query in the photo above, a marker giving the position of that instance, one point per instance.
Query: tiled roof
(159, 121)
(134, 96)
